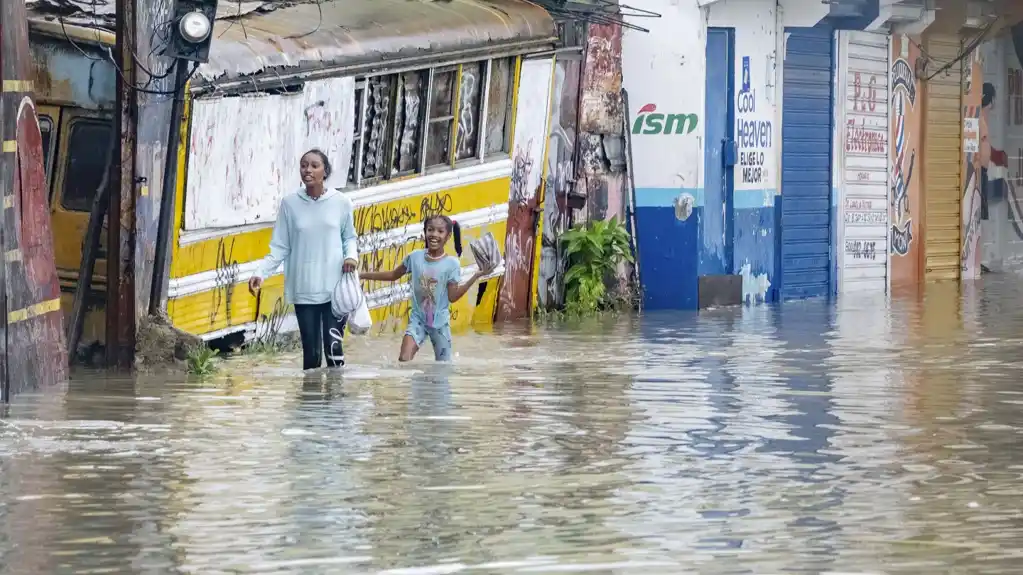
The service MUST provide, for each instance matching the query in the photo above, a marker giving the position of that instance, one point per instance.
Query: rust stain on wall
(601, 108)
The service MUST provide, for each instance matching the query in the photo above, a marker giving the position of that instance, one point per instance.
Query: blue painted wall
(716, 217)
(668, 247)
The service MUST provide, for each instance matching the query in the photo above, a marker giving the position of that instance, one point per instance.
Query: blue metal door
(804, 250)
(719, 122)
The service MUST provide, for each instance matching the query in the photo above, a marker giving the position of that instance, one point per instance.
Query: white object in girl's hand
(360, 321)
(486, 252)
(347, 296)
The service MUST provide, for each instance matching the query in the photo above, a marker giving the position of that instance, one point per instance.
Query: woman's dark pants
(315, 322)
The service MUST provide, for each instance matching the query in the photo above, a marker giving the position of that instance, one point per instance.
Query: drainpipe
(170, 171)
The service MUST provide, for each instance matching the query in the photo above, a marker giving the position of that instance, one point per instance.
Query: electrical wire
(120, 73)
(237, 17)
(319, 9)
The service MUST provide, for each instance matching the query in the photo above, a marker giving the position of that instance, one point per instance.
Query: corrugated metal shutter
(863, 249)
(804, 256)
(942, 160)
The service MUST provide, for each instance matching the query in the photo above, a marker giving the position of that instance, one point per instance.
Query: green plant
(201, 360)
(594, 251)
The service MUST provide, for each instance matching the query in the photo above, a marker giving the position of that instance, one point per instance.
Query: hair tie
(453, 221)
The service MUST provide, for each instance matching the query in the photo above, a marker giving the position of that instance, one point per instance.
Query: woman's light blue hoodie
(312, 238)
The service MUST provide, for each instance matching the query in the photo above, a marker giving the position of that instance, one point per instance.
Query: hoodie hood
(327, 194)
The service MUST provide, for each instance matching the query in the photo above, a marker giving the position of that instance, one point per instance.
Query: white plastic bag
(360, 321)
(486, 252)
(347, 296)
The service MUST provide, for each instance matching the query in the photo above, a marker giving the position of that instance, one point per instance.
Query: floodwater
(864, 436)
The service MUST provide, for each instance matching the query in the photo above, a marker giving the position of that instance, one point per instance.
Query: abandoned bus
(419, 106)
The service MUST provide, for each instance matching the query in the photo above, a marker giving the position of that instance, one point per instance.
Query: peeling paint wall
(60, 73)
(245, 150)
(756, 108)
(601, 116)
(531, 116)
(559, 180)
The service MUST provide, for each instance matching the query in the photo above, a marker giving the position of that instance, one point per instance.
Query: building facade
(791, 149)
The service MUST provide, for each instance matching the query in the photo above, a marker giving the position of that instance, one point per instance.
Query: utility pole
(120, 324)
(31, 337)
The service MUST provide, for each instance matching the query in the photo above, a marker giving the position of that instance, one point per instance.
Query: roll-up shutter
(942, 160)
(863, 205)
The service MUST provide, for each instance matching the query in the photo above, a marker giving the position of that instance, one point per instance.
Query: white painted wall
(245, 150)
(1002, 231)
(666, 67)
(664, 71)
(861, 175)
(531, 127)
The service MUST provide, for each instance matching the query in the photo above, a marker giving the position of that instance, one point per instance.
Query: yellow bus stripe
(17, 86)
(34, 310)
(251, 246)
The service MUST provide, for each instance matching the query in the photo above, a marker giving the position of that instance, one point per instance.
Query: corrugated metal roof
(351, 32)
(278, 35)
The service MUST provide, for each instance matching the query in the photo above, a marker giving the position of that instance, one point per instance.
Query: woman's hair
(453, 228)
(327, 168)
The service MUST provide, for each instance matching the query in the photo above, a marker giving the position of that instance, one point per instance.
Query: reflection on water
(867, 436)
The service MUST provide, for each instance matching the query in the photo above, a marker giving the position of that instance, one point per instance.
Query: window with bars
(427, 120)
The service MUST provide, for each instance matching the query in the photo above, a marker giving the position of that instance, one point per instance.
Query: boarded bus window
(377, 112)
(357, 132)
(86, 161)
(442, 101)
(499, 105)
(408, 122)
(470, 97)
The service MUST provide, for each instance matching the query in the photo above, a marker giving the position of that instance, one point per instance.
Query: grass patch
(201, 360)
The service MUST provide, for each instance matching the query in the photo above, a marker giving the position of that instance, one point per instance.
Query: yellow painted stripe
(17, 86)
(32, 311)
(8, 201)
(10, 146)
(252, 246)
(541, 201)
(206, 311)
(13, 256)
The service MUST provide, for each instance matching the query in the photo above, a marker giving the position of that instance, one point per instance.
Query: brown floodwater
(870, 435)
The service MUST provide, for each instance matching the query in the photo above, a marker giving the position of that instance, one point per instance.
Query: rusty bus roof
(344, 33)
(272, 38)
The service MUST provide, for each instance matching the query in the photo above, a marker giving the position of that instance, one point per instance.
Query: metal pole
(90, 250)
(170, 180)
(120, 324)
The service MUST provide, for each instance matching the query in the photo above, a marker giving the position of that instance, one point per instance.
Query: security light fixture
(193, 26)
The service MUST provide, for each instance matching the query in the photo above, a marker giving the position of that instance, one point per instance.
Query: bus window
(46, 129)
(86, 160)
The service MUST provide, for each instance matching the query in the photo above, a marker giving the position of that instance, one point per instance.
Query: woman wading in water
(314, 237)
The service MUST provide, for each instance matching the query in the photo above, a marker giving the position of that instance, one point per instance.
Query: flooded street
(857, 437)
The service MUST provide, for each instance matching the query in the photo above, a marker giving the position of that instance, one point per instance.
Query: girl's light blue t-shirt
(430, 279)
(312, 238)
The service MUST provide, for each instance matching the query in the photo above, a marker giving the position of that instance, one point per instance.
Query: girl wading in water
(314, 237)
(435, 286)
